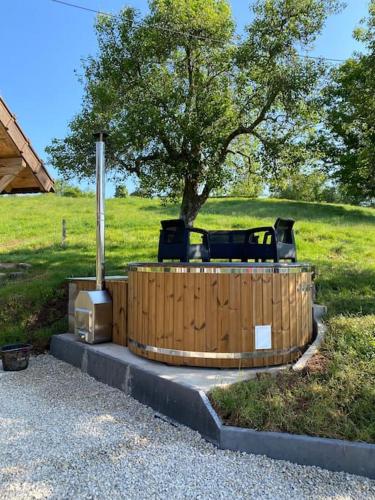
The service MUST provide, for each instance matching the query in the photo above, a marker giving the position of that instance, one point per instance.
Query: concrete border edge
(332, 454)
(192, 408)
(320, 332)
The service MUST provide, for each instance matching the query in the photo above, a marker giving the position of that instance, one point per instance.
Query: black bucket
(15, 356)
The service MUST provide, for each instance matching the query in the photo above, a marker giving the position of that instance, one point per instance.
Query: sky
(42, 44)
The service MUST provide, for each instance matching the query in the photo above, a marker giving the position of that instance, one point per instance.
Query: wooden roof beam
(11, 165)
(5, 181)
(13, 142)
(9, 170)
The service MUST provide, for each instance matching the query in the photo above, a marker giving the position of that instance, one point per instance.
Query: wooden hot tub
(220, 314)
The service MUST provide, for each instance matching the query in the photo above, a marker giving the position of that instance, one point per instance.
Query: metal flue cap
(101, 135)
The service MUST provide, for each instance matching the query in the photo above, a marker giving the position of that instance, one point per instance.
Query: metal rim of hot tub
(205, 314)
(222, 267)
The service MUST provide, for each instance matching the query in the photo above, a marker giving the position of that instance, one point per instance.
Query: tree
(246, 178)
(177, 94)
(121, 191)
(348, 138)
(307, 185)
(63, 188)
(139, 192)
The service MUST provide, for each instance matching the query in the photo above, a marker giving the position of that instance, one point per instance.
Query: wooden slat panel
(292, 313)
(218, 313)
(234, 328)
(247, 342)
(306, 307)
(200, 314)
(309, 308)
(257, 286)
(299, 308)
(140, 280)
(223, 316)
(303, 311)
(160, 294)
(169, 311)
(129, 304)
(112, 290)
(277, 334)
(152, 308)
(145, 309)
(189, 319)
(285, 314)
(212, 315)
(137, 309)
(267, 280)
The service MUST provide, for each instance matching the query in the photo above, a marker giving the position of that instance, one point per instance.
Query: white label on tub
(263, 337)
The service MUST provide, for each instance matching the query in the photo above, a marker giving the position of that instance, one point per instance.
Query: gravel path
(64, 435)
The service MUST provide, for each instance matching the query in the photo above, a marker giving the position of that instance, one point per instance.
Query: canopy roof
(21, 169)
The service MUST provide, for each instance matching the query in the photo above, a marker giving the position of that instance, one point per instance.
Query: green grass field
(338, 239)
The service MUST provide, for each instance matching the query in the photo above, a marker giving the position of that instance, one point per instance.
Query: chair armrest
(268, 230)
(205, 236)
(261, 229)
(197, 230)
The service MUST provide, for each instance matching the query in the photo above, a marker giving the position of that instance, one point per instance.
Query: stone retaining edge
(192, 408)
(332, 454)
(320, 332)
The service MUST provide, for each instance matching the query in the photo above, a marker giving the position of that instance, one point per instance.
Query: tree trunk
(192, 201)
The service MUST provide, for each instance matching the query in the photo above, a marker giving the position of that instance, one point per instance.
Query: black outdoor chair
(278, 242)
(260, 248)
(174, 242)
(229, 244)
(286, 244)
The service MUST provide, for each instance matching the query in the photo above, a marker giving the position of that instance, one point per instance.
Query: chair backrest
(284, 230)
(228, 237)
(173, 224)
(173, 232)
(227, 244)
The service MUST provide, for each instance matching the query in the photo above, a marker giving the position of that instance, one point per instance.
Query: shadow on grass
(281, 208)
(75, 260)
(260, 208)
(346, 290)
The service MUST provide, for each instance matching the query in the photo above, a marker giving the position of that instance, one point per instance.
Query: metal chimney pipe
(100, 209)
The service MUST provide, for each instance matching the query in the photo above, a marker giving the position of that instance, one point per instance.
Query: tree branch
(206, 192)
(137, 162)
(239, 153)
(241, 129)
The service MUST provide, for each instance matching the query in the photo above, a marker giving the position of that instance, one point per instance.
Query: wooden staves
(197, 318)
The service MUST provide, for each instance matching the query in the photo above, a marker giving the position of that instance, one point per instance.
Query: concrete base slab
(180, 394)
(203, 379)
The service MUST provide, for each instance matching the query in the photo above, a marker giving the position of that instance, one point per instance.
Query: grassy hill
(338, 239)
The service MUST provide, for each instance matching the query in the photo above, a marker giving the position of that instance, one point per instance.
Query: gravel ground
(65, 435)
